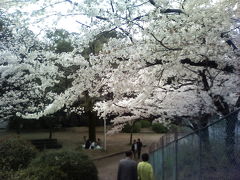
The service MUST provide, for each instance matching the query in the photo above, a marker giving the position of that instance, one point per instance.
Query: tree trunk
(92, 125)
(131, 132)
(50, 133)
(50, 128)
(131, 135)
(19, 124)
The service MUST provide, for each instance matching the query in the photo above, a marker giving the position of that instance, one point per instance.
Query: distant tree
(60, 41)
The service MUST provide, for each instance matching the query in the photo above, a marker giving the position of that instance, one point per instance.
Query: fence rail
(211, 153)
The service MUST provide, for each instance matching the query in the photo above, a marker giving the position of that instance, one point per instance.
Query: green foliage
(159, 128)
(6, 175)
(40, 173)
(97, 44)
(174, 128)
(179, 128)
(64, 46)
(15, 153)
(60, 41)
(145, 123)
(128, 128)
(60, 165)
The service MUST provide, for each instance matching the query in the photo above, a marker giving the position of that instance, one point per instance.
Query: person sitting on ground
(87, 144)
(144, 169)
(98, 144)
(93, 145)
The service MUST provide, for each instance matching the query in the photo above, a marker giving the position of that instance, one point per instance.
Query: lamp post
(105, 135)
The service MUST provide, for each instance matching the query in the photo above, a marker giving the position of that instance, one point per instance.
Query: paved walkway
(108, 166)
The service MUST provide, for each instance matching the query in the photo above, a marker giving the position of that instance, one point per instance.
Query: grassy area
(72, 139)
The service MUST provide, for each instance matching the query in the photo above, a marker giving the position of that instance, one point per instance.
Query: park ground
(106, 161)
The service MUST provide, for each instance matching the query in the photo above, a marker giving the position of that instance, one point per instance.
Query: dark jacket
(139, 146)
(127, 169)
(133, 147)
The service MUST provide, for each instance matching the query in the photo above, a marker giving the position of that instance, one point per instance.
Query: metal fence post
(200, 156)
(162, 141)
(176, 155)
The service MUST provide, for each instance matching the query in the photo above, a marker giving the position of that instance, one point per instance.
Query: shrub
(159, 128)
(60, 165)
(6, 175)
(40, 173)
(136, 128)
(174, 128)
(15, 153)
(145, 123)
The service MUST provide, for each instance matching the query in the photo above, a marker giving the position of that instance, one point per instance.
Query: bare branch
(208, 64)
(190, 69)
(82, 24)
(112, 6)
(102, 18)
(152, 2)
(204, 63)
(168, 11)
(168, 48)
(160, 76)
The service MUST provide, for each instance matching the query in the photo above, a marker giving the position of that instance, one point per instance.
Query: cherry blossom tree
(173, 53)
(28, 72)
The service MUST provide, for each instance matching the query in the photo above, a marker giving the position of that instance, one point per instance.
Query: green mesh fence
(212, 153)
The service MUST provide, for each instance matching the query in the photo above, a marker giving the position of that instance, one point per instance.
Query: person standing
(144, 169)
(134, 148)
(127, 169)
(139, 148)
(88, 144)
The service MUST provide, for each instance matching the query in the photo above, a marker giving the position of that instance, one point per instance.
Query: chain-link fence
(211, 153)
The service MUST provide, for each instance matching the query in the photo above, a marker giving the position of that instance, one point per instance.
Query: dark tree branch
(231, 44)
(69, 1)
(190, 69)
(102, 18)
(229, 41)
(186, 84)
(208, 64)
(137, 5)
(211, 78)
(238, 102)
(83, 24)
(157, 62)
(183, 3)
(204, 63)
(204, 80)
(112, 6)
(168, 11)
(126, 33)
(160, 76)
(152, 2)
(138, 17)
(162, 44)
(220, 104)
